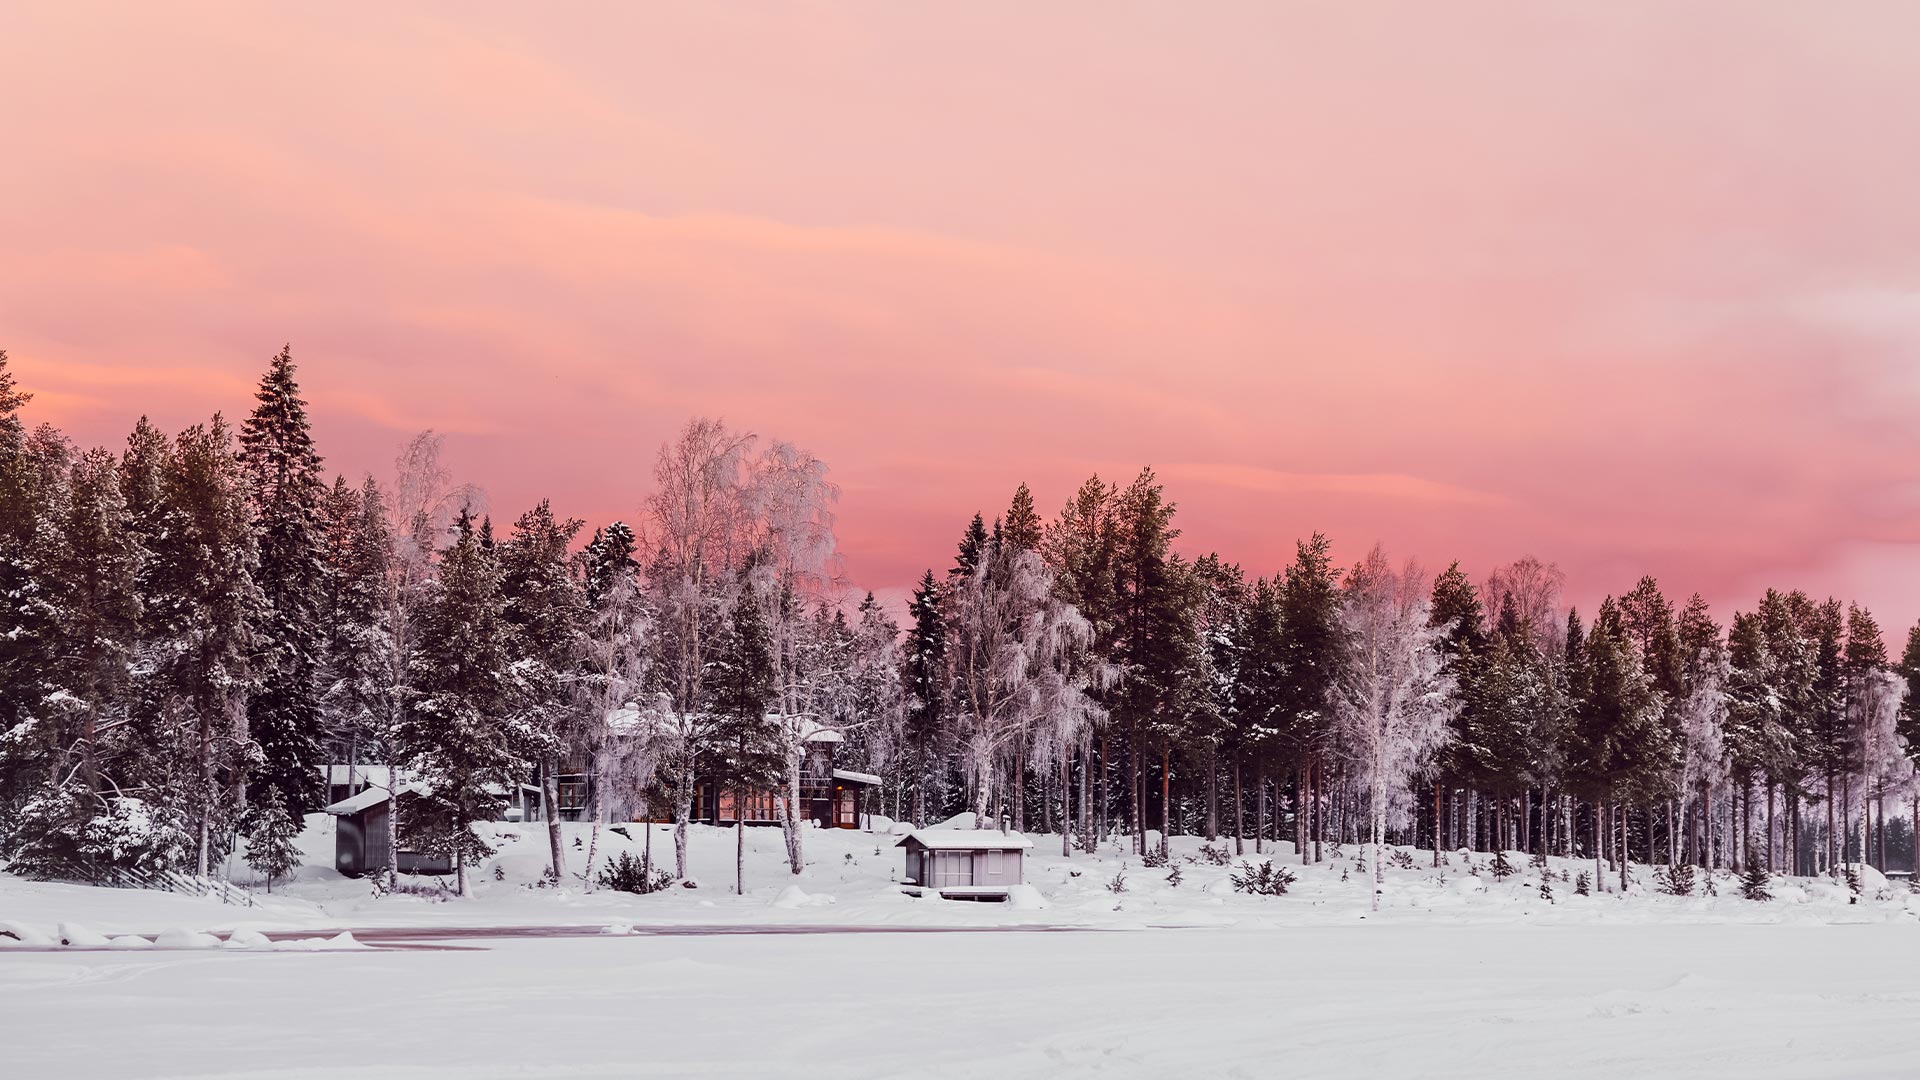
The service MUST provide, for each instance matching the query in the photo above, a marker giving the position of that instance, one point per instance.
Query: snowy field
(1378, 1001)
(1460, 975)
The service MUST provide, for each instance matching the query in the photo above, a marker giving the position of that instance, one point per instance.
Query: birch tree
(1392, 702)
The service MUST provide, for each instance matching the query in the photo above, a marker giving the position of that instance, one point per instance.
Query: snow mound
(248, 939)
(78, 936)
(794, 897)
(13, 933)
(180, 938)
(619, 929)
(342, 940)
(1871, 879)
(130, 941)
(1025, 898)
(1467, 886)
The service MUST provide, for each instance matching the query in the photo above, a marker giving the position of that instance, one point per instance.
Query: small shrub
(1215, 856)
(1676, 880)
(1263, 880)
(1119, 882)
(1174, 877)
(1154, 859)
(1501, 868)
(1539, 860)
(628, 874)
(1754, 882)
(1583, 885)
(1400, 860)
(1852, 874)
(1546, 889)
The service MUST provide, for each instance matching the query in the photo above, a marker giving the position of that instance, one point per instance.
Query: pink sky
(1627, 287)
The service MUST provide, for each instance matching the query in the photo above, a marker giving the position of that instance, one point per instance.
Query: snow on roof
(814, 731)
(371, 797)
(967, 840)
(855, 777)
(366, 774)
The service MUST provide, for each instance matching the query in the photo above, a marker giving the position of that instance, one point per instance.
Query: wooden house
(830, 797)
(965, 863)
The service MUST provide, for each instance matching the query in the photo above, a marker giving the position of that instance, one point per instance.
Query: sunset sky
(1631, 287)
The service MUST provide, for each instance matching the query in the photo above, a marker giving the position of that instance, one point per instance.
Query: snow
(856, 777)
(1572, 1002)
(1459, 975)
(371, 797)
(968, 840)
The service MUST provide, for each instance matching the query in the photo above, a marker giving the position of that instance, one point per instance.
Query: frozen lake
(1468, 1000)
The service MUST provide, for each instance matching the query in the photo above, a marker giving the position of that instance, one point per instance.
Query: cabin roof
(852, 777)
(373, 796)
(966, 840)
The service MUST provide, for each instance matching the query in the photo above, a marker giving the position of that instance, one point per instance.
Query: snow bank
(129, 941)
(1025, 898)
(178, 938)
(794, 897)
(13, 933)
(248, 939)
(78, 936)
(338, 941)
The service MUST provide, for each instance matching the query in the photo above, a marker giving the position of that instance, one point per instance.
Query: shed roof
(966, 840)
(856, 777)
(373, 796)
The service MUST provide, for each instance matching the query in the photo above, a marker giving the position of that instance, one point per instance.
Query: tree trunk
(682, 811)
(790, 817)
(593, 836)
(460, 829)
(1166, 799)
(1066, 811)
(1213, 796)
(1259, 811)
(739, 842)
(1239, 814)
(550, 795)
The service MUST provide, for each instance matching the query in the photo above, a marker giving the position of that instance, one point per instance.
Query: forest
(197, 623)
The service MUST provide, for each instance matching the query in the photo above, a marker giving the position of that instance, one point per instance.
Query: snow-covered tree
(287, 497)
(546, 617)
(455, 739)
(271, 851)
(1393, 701)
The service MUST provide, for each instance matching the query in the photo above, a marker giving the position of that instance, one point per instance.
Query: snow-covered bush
(1215, 856)
(1263, 880)
(628, 874)
(1154, 859)
(1754, 883)
(1675, 880)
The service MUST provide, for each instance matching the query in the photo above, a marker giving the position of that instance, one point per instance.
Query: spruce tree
(360, 647)
(748, 757)
(271, 848)
(546, 616)
(450, 738)
(283, 471)
(926, 687)
(1021, 529)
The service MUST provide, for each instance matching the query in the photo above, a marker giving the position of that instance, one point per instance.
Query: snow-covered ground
(1459, 975)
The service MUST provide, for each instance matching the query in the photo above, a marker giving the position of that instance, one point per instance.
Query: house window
(993, 863)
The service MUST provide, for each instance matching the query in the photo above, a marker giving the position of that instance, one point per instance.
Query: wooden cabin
(360, 834)
(965, 863)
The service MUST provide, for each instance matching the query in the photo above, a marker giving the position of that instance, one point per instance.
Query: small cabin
(360, 835)
(965, 863)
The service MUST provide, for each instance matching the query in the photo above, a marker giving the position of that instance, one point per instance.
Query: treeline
(197, 624)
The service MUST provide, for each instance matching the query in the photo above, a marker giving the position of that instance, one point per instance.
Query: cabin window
(993, 863)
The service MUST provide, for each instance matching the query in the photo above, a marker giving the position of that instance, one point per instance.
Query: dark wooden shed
(360, 835)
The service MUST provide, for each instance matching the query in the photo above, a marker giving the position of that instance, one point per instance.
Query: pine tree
(1755, 881)
(546, 612)
(451, 740)
(974, 547)
(748, 757)
(1021, 529)
(926, 687)
(360, 647)
(283, 471)
(271, 848)
(1309, 656)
